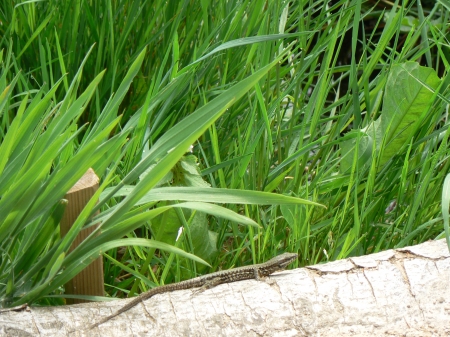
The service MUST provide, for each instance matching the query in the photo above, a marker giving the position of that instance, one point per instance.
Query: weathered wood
(90, 280)
(402, 292)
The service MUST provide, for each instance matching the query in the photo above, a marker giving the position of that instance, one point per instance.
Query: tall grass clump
(232, 121)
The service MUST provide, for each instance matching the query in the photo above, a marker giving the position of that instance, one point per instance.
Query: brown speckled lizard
(256, 271)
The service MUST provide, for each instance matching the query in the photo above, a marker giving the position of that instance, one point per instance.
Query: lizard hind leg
(208, 285)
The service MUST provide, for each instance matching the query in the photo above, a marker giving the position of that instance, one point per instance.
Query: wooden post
(90, 280)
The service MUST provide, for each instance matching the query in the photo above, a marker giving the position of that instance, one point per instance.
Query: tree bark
(403, 292)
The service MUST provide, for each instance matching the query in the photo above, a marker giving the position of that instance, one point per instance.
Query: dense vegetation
(234, 120)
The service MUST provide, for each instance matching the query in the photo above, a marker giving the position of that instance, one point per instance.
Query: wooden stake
(90, 280)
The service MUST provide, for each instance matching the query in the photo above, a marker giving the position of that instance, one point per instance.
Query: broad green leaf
(218, 211)
(204, 241)
(215, 195)
(410, 91)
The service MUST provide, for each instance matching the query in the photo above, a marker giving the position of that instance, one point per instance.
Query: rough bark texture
(394, 293)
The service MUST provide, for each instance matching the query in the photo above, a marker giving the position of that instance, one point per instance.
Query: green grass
(305, 104)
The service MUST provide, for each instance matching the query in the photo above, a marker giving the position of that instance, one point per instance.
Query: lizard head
(283, 260)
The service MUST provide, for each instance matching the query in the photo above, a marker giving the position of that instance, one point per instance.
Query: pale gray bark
(394, 293)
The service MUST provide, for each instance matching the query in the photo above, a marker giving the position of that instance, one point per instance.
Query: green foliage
(43, 158)
(342, 104)
(408, 96)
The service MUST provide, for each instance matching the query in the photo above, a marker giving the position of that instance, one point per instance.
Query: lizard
(256, 271)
